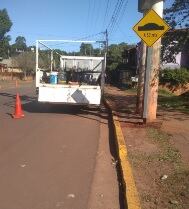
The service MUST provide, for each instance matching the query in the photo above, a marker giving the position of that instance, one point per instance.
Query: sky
(70, 19)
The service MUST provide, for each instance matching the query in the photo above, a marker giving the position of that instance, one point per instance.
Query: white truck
(78, 80)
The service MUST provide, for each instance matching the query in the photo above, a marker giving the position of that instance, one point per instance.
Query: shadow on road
(125, 108)
(112, 145)
(89, 112)
(13, 96)
(31, 105)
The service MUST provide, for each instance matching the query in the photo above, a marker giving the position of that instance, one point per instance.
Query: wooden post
(51, 61)
(152, 74)
(140, 90)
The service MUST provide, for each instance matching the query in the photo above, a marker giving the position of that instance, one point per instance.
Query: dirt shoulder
(158, 152)
(7, 84)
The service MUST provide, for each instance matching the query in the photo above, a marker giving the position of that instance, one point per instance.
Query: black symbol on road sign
(150, 26)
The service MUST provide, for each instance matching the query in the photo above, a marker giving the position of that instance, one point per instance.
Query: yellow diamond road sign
(151, 27)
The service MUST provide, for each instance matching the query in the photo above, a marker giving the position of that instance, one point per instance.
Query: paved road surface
(47, 159)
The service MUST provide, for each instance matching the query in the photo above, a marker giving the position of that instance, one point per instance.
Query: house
(182, 58)
(129, 66)
(7, 65)
(9, 71)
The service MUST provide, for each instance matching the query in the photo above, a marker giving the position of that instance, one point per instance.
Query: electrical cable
(121, 16)
(116, 16)
(113, 15)
(106, 12)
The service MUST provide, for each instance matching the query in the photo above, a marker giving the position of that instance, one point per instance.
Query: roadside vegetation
(164, 171)
(177, 182)
(174, 77)
(169, 101)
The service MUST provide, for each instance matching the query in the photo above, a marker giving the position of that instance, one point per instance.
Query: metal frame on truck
(88, 86)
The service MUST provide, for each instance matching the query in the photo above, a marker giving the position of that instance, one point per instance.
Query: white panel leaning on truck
(74, 80)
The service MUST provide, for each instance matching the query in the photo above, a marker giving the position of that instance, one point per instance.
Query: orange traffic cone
(18, 108)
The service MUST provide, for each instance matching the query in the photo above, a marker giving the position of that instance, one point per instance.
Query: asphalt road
(47, 159)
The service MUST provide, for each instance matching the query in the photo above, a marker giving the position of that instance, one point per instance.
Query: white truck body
(73, 93)
(69, 94)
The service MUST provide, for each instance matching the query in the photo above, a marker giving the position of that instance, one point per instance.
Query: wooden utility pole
(141, 78)
(105, 61)
(51, 60)
(153, 11)
(152, 73)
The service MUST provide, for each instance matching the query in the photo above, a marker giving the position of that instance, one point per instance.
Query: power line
(78, 39)
(90, 36)
(121, 16)
(106, 12)
(115, 16)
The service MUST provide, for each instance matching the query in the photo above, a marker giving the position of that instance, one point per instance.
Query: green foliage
(178, 14)
(4, 47)
(57, 57)
(168, 153)
(172, 102)
(86, 49)
(5, 25)
(25, 61)
(44, 59)
(174, 77)
(177, 40)
(114, 57)
(18, 46)
(164, 92)
(173, 43)
(20, 43)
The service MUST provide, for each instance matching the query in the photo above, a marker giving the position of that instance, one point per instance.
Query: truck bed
(63, 93)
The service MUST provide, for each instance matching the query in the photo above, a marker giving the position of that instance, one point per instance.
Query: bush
(174, 77)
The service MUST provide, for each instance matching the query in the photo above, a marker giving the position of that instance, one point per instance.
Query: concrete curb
(131, 197)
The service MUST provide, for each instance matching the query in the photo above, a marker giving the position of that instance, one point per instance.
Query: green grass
(170, 101)
(132, 90)
(169, 153)
(138, 158)
(128, 89)
(163, 92)
(157, 135)
(166, 160)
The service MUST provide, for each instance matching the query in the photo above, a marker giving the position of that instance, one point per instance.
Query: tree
(173, 42)
(5, 26)
(86, 49)
(114, 57)
(115, 60)
(97, 52)
(25, 61)
(5, 47)
(177, 16)
(19, 45)
(56, 57)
